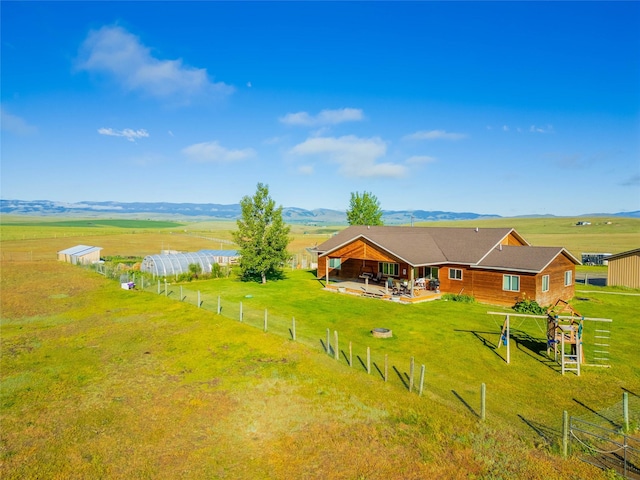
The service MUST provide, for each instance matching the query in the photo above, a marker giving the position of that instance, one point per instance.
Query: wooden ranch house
(494, 265)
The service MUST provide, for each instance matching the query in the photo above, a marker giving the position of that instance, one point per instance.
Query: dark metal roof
(623, 254)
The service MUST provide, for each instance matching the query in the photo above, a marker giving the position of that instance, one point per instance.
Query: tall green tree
(364, 209)
(262, 236)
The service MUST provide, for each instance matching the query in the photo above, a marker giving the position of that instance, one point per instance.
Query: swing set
(564, 335)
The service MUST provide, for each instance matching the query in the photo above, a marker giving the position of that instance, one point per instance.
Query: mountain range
(214, 211)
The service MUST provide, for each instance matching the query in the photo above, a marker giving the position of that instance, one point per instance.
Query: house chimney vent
(500, 247)
(477, 229)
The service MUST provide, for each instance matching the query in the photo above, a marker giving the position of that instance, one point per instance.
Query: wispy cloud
(546, 129)
(306, 169)
(435, 135)
(356, 157)
(127, 133)
(632, 181)
(325, 117)
(420, 159)
(14, 124)
(213, 152)
(119, 54)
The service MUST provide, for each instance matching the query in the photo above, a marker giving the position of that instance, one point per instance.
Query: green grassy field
(99, 382)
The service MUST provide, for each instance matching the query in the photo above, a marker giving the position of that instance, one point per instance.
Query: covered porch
(381, 290)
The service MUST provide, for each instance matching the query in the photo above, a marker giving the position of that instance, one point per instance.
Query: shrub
(530, 307)
(458, 298)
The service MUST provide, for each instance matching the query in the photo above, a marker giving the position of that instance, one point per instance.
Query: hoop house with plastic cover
(174, 264)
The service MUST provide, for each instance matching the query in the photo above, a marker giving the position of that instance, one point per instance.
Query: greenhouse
(176, 263)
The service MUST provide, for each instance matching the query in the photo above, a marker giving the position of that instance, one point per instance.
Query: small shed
(80, 254)
(176, 263)
(624, 269)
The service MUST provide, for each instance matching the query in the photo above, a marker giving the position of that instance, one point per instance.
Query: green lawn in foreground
(99, 382)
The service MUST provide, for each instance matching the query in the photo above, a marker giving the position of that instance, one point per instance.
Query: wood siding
(356, 257)
(624, 271)
(486, 285)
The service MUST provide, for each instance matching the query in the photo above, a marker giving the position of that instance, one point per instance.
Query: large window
(568, 278)
(389, 269)
(455, 274)
(545, 283)
(511, 283)
(335, 263)
(431, 272)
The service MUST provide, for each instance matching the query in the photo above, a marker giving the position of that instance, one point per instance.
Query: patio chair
(377, 278)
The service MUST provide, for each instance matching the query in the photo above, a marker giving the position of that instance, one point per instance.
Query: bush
(530, 307)
(458, 298)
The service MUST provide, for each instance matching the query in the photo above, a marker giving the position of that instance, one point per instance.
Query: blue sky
(508, 108)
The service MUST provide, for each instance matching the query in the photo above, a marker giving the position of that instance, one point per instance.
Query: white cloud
(356, 157)
(14, 124)
(547, 129)
(306, 169)
(127, 133)
(325, 117)
(435, 135)
(114, 51)
(420, 159)
(505, 128)
(213, 152)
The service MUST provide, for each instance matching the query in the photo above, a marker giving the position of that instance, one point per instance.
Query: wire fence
(604, 437)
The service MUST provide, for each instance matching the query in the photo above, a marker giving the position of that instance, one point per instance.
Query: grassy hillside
(99, 382)
(102, 382)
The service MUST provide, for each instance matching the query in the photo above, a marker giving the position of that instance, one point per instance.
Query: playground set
(565, 337)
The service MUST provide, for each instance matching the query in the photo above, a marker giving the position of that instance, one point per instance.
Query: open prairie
(101, 382)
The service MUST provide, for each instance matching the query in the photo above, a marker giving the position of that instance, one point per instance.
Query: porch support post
(412, 279)
(326, 265)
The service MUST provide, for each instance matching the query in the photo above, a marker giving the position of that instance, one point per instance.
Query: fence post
(328, 343)
(180, 292)
(158, 286)
(166, 290)
(199, 302)
(218, 304)
(293, 328)
(483, 401)
(421, 380)
(265, 319)
(625, 411)
(386, 367)
(565, 433)
(411, 374)
(350, 355)
(369, 360)
(335, 347)
(240, 311)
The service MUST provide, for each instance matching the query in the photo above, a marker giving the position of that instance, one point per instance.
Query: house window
(568, 278)
(389, 269)
(455, 274)
(431, 272)
(511, 283)
(335, 263)
(545, 283)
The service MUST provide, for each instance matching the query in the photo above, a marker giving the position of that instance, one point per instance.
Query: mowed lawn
(99, 382)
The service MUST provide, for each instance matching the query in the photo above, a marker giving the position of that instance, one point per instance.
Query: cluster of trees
(263, 237)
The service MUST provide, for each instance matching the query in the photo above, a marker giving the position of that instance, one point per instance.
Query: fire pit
(382, 333)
